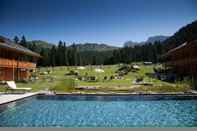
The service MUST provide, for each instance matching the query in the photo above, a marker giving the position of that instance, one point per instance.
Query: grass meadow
(56, 80)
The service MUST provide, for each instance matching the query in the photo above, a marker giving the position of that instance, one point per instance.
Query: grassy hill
(42, 44)
(56, 80)
(80, 47)
(37, 45)
(94, 47)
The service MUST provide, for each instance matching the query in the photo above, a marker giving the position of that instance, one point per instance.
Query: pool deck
(6, 98)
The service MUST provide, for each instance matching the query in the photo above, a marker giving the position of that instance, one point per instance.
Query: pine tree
(59, 54)
(65, 55)
(16, 39)
(45, 60)
(52, 56)
(94, 60)
(23, 41)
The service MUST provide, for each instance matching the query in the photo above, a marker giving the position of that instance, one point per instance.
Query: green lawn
(58, 81)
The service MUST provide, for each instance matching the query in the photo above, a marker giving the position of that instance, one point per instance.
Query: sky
(102, 21)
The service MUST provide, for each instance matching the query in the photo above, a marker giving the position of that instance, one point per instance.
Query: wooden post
(17, 69)
(13, 69)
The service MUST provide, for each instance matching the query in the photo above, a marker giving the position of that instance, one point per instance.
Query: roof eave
(22, 52)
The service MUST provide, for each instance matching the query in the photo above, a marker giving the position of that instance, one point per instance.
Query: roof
(180, 47)
(8, 44)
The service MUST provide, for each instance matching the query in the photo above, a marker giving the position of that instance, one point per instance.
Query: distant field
(56, 80)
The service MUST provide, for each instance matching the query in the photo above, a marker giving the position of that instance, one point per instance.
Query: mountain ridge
(80, 47)
(99, 46)
(185, 34)
(150, 39)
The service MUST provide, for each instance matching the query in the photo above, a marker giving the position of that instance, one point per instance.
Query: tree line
(55, 56)
(147, 52)
(63, 55)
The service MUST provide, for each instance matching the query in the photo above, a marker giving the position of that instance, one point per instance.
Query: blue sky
(103, 21)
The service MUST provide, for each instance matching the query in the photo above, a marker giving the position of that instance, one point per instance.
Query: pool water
(98, 111)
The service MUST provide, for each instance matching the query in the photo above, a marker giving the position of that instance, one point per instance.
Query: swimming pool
(99, 111)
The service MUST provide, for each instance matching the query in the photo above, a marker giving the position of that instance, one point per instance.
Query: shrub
(75, 73)
(111, 77)
(105, 78)
(65, 85)
(139, 78)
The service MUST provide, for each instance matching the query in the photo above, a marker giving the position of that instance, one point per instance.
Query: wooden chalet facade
(182, 60)
(13, 61)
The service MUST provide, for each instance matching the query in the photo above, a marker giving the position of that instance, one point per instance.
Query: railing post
(13, 69)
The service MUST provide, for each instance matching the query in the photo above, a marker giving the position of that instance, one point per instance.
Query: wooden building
(16, 61)
(182, 60)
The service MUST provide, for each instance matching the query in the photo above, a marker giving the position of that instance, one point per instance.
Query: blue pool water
(98, 111)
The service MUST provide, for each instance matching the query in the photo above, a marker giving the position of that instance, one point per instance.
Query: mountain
(41, 44)
(186, 33)
(80, 47)
(94, 47)
(131, 43)
(151, 39)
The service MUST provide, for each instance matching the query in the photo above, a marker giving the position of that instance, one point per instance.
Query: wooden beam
(13, 71)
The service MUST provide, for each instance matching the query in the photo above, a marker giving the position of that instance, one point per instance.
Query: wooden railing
(16, 64)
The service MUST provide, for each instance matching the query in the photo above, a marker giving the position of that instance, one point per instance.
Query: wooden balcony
(16, 64)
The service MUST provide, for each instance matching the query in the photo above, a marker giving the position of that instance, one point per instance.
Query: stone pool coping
(115, 93)
(127, 96)
(173, 95)
(7, 98)
(121, 94)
